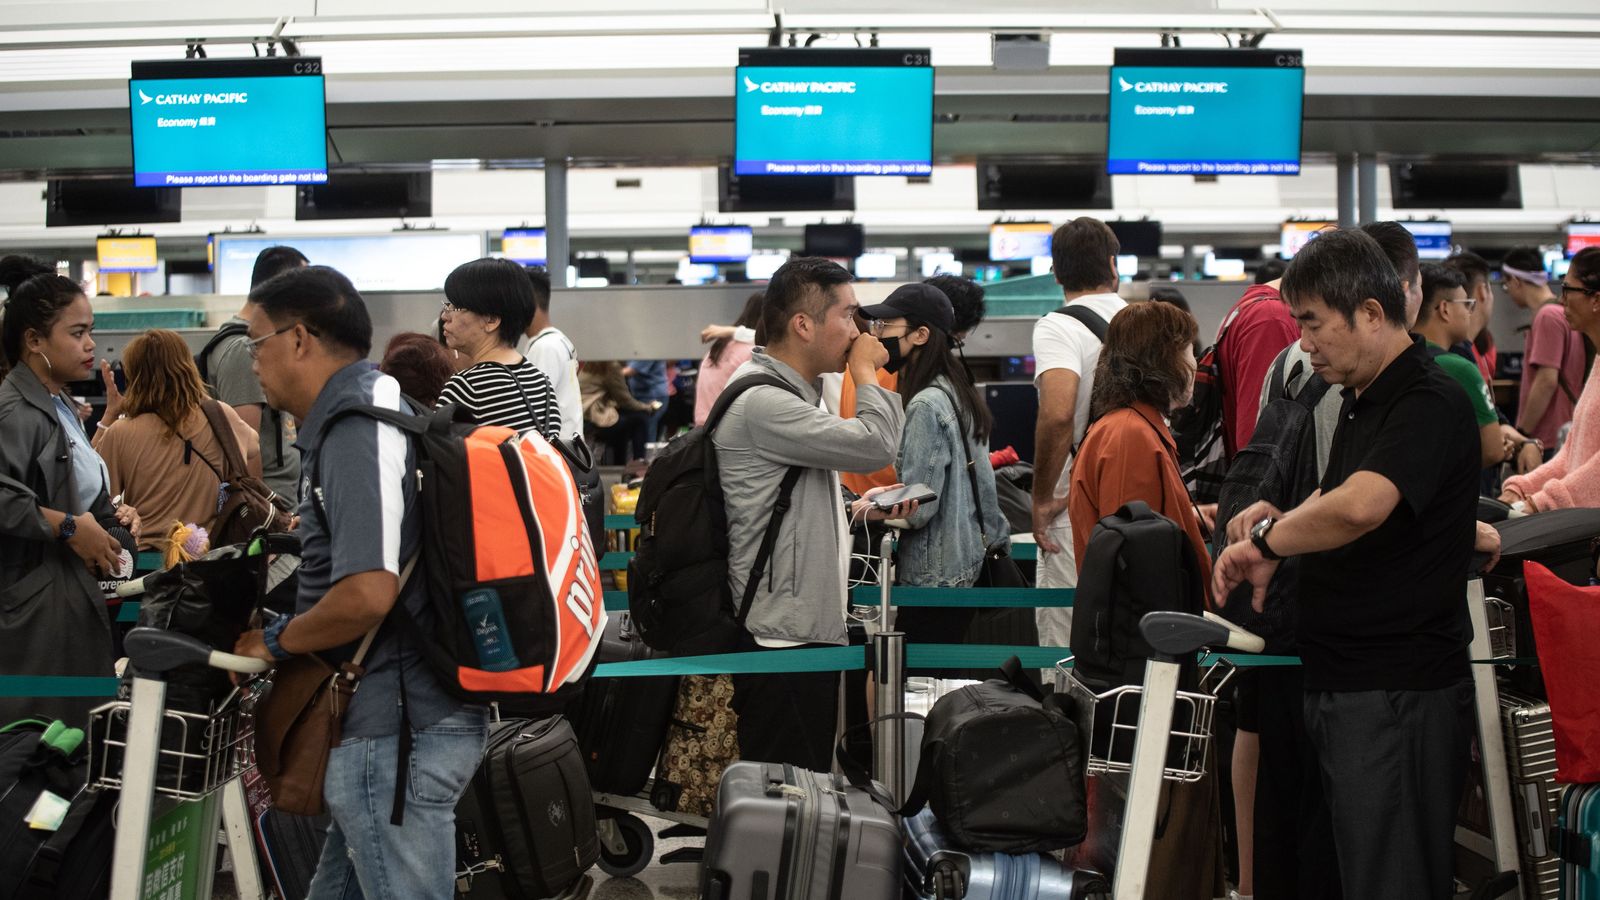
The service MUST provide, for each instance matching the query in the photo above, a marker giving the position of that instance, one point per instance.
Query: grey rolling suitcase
(938, 870)
(781, 833)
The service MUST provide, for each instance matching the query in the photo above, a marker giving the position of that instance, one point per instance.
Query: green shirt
(1467, 375)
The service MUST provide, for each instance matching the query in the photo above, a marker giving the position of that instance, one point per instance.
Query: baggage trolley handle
(142, 749)
(1501, 618)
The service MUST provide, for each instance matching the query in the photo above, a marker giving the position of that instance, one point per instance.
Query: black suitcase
(525, 828)
(621, 723)
(1562, 540)
(789, 834)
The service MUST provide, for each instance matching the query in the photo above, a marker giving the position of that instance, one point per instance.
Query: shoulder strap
(420, 422)
(780, 509)
(1277, 381)
(1090, 319)
(739, 386)
(229, 330)
(769, 540)
(233, 464)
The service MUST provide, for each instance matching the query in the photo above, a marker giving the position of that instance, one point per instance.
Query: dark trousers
(788, 717)
(1294, 857)
(1393, 766)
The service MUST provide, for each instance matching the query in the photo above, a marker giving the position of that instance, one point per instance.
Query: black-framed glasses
(1575, 289)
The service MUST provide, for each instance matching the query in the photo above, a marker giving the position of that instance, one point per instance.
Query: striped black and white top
(518, 397)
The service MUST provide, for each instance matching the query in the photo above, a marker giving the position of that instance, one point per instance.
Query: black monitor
(108, 201)
(367, 195)
(1138, 238)
(784, 193)
(1042, 185)
(1455, 186)
(835, 241)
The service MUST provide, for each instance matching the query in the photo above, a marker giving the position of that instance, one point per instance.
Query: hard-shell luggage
(790, 834)
(1578, 836)
(702, 739)
(622, 722)
(525, 828)
(936, 869)
(1535, 797)
(1560, 540)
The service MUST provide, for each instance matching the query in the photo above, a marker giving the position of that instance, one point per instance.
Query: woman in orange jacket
(1146, 370)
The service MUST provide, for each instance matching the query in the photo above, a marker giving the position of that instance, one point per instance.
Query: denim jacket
(945, 543)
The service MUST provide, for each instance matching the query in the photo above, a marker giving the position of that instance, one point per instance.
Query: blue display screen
(833, 112)
(1205, 112)
(228, 122)
(1432, 239)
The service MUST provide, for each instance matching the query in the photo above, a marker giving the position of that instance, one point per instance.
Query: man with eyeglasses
(1553, 356)
(407, 748)
(1445, 318)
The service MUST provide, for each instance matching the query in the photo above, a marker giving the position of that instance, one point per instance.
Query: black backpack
(1279, 465)
(270, 418)
(1137, 561)
(678, 589)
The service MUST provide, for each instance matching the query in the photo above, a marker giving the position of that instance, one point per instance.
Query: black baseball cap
(923, 304)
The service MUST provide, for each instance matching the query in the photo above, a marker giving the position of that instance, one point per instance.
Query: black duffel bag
(1002, 768)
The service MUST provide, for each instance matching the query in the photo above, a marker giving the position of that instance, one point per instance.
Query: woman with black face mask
(946, 447)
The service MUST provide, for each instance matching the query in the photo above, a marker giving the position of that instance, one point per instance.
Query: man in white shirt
(553, 354)
(1066, 347)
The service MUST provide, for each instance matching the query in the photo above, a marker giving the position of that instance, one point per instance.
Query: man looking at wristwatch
(1387, 543)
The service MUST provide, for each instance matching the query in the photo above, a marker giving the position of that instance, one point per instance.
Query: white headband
(1524, 275)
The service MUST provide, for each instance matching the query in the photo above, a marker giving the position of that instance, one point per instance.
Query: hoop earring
(47, 362)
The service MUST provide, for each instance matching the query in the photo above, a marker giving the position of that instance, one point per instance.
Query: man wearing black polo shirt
(1387, 542)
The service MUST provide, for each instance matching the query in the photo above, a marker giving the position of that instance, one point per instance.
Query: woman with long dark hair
(726, 355)
(946, 447)
(55, 511)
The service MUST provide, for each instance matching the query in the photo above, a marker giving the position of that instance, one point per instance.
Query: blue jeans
(366, 856)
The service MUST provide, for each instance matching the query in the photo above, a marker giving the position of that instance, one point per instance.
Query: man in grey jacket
(809, 318)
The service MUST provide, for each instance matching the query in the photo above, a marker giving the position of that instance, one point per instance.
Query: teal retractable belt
(619, 522)
(57, 686)
(758, 662)
(972, 598)
(615, 561)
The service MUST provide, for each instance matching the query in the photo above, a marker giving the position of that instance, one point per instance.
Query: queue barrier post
(889, 682)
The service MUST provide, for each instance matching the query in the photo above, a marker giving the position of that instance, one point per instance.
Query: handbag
(1001, 766)
(300, 719)
(244, 502)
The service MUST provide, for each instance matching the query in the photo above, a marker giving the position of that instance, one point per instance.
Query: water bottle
(487, 622)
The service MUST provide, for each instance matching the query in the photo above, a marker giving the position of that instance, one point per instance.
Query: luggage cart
(1174, 636)
(141, 749)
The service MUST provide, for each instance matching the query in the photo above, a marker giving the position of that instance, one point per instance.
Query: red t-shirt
(1261, 327)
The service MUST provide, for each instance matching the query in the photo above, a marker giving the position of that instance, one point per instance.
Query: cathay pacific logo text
(1173, 87)
(799, 87)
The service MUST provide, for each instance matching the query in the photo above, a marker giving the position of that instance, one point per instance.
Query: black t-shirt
(1388, 611)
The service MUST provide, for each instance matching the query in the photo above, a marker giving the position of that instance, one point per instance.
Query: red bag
(1566, 621)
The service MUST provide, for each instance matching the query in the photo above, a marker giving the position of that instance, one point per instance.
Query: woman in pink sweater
(1572, 477)
(726, 355)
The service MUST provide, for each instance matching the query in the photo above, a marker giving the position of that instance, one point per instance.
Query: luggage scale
(130, 741)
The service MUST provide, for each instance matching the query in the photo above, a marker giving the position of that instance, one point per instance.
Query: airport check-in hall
(762, 449)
